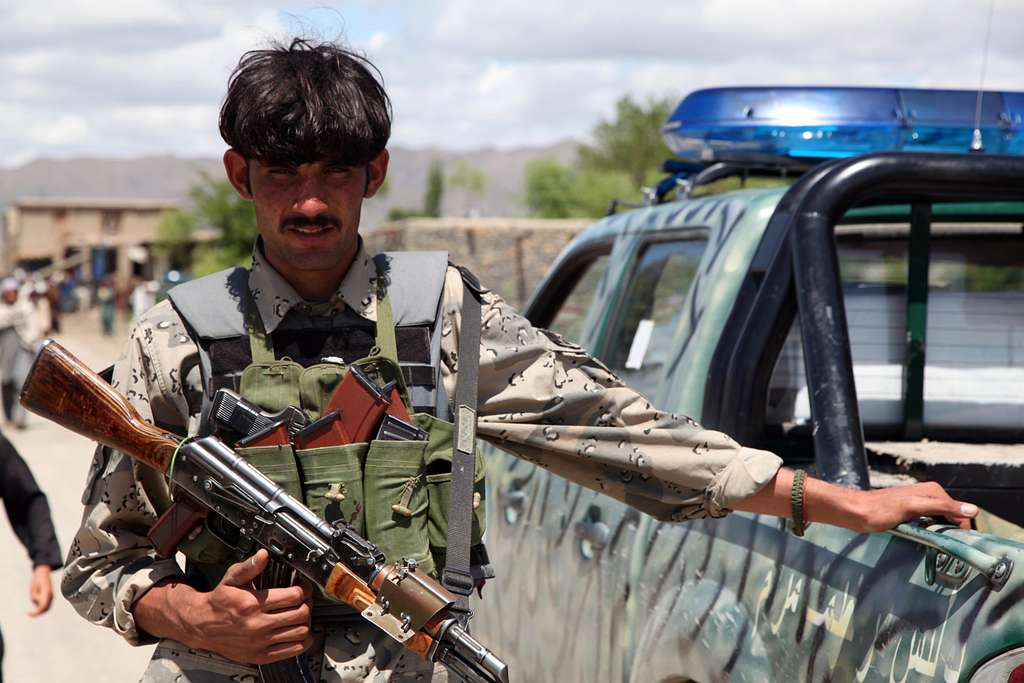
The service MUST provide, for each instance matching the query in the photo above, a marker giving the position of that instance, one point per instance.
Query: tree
(174, 237)
(216, 205)
(554, 190)
(434, 193)
(397, 213)
(626, 155)
(630, 142)
(470, 179)
(432, 196)
(549, 188)
(594, 190)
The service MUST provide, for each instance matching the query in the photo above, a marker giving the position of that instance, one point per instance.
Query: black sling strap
(457, 576)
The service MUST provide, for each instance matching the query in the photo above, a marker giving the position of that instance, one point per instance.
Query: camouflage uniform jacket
(540, 397)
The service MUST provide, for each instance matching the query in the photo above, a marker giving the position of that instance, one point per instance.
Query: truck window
(572, 310)
(974, 362)
(641, 338)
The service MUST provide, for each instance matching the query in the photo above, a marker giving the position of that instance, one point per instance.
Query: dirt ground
(60, 645)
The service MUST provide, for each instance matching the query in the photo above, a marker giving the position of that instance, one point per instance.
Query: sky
(90, 78)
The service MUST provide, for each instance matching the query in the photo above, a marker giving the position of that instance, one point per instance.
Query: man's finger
(40, 597)
(969, 510)
(281, 651)
(284, 598)
(291, 617)
(290, 634)
(956, 511)
(242, 573)
(41, 605)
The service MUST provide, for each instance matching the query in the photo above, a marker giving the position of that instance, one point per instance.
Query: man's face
(9, 296)
(308, 215)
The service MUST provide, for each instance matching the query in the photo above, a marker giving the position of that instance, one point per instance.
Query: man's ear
(376, 172)
(237, 168)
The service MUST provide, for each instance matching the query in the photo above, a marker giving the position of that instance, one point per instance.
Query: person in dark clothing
(29, 515)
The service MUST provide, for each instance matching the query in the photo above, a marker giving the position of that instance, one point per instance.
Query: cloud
(81, 79)
(85, 77)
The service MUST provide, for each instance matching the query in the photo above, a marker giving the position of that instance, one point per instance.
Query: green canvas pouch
(278, 463)
(333, 481)
(438, 468)
(396, 501)
(272, 385)
(316, 384)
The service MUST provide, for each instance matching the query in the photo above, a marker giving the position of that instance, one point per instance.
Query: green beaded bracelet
(796, 497)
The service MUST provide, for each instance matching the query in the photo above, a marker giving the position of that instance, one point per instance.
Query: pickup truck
(865, 322)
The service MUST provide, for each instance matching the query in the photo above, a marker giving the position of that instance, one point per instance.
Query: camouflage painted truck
(865, 322)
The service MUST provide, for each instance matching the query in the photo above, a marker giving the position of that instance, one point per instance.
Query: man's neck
(314, 285)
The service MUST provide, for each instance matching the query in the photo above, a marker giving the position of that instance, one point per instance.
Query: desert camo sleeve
(110, 563)
(548, 401)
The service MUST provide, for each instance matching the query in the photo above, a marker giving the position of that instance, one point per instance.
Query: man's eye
(339, 170)
(280, 171)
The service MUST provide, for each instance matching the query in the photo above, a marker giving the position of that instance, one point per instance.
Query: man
(19, 333)
(29, 515)
(307, 127)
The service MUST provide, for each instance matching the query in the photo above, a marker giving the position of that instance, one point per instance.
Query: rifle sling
(457, 576)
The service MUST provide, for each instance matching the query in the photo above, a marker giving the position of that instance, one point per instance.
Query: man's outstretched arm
(550, 402)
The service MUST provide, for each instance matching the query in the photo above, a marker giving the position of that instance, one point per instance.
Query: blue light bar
(828, 123)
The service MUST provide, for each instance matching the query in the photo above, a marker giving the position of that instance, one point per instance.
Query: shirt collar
(274, 297)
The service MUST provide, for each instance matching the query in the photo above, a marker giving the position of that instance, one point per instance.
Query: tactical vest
(394, 492)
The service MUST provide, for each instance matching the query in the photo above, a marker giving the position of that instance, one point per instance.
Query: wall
(509, 255)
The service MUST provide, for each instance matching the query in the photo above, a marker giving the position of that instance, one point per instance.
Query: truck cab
(865, 321)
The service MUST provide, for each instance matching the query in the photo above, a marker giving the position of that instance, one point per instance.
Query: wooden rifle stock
(63, 389)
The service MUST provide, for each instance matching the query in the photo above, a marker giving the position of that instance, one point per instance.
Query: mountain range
(171, 177)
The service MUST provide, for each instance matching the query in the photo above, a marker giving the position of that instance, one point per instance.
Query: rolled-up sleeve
(548, 401)
(111, 563)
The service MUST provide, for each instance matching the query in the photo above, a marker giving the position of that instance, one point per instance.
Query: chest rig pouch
(396, 493)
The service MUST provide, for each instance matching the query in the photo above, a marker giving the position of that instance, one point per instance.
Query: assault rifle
(405, 603)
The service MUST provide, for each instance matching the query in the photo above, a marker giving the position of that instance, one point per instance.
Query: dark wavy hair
(306, 102)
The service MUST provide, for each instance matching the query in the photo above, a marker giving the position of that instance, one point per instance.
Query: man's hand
(877, 510)
(883, 509)
(40, 590)
(234, 619)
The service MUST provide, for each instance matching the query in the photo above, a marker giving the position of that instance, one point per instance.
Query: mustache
(323, 220)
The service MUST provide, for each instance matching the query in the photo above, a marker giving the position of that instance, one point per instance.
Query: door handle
(593, 536)
(513, 502)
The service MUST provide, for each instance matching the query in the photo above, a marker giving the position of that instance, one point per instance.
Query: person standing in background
(106, 295)
(19, 333)
(143, 298)
(44, 311)
(29, 515)
(66, 293)
(53, 297)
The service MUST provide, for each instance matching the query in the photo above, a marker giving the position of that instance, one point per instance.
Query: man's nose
(310, 199)
(310, 205)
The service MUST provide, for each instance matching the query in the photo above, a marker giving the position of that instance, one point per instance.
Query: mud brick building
(98, 235)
